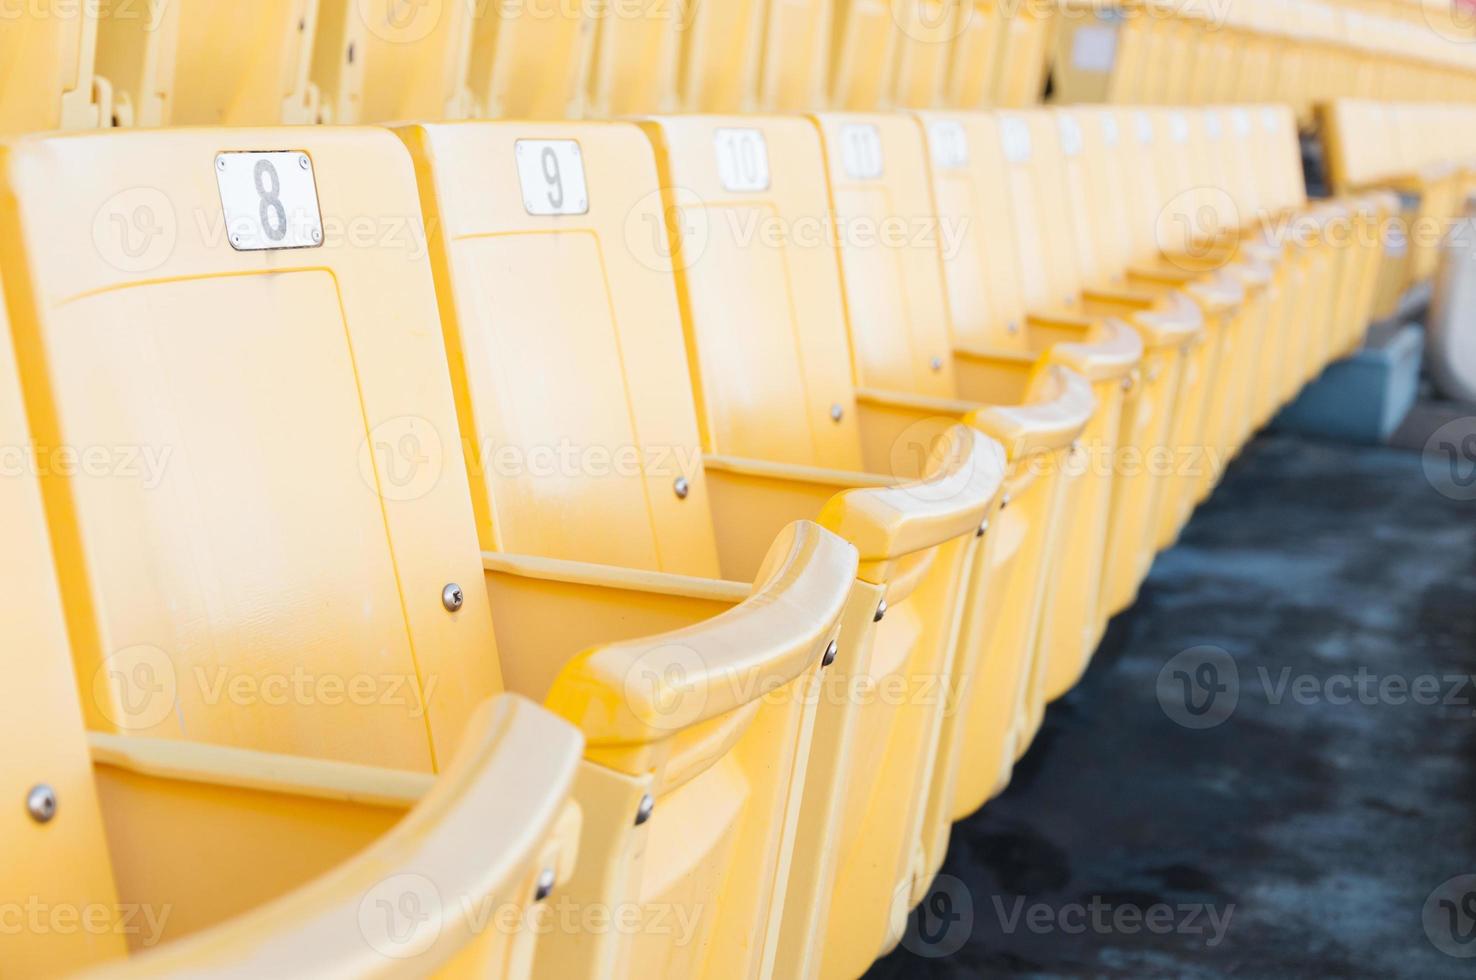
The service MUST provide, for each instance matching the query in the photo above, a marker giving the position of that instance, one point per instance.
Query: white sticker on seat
(1111, 132)
(270, 200)
(1094, 48)
(950, 144)
(1178, 128)
(743, 160)
(1014, 135)
(1145, 127)
(1071, 138)
(861, 151)
(1213, 128)
(1241, 120)
(551, 173)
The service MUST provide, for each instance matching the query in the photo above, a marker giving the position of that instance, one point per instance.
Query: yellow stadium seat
(794, 56)
(1097, 48)
(123, 823)
(926, 31)
(637, 56)
(771, 365)
(1023, 53)
(863, 54)
(196, 62)
(46, 76)
(970, 79)
(891, 240)
(531, 60)
(1170, 327)
(720, 55)
(271, 318)
(1028, 232)
(383, 60)
(550, 251)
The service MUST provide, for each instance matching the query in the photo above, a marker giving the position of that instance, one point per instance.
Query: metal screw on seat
(545, 887)
(881, 610)
(452, 597)
(643, 812)
(983, 528)
(41, 803)
(830, 653)
(837, 413)
(682, 487)
(936, 363)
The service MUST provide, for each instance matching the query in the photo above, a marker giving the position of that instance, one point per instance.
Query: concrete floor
(1305, 834)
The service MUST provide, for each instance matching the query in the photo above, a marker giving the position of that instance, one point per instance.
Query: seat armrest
(545, 612)
(1062, 404)
(637, 693)
(891, 421)
(1113, 353)
(495, 820)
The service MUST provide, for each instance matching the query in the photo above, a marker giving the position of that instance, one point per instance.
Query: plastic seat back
(970, 78)
(1024, 47)
(864, 54)
(46, 74)
(719, 69)
(565, 337)
(531, 61)
(637, 58)
(894, 286)
(795, 55)
(384, 60)
(204, 62)
(768, 345)
(52, 842)
(766, 322)
(927, 29)
(287, 507)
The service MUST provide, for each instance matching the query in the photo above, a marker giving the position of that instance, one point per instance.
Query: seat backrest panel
(287, 502)
(531, 67)
(891, 258)
(637, 54)
(720, 55)
(383, 60)
(567, 337)
(766, 316)
(46, 62)
(864, 44)
(1024, 154)
(271, 45)
(62, 863)
(794, 57)
(971, 179)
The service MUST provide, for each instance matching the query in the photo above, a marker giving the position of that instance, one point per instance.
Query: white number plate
(743, 160)
(1071, 136)
(1178, 128)
(861, 151)
(270, 200)
(551, 173)
(1144, 127)
(1094, 49)
(1015, 135)
(1213, 128)
(1110, 130)
(950, 144)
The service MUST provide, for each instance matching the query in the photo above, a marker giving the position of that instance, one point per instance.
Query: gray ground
(1315, 823)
